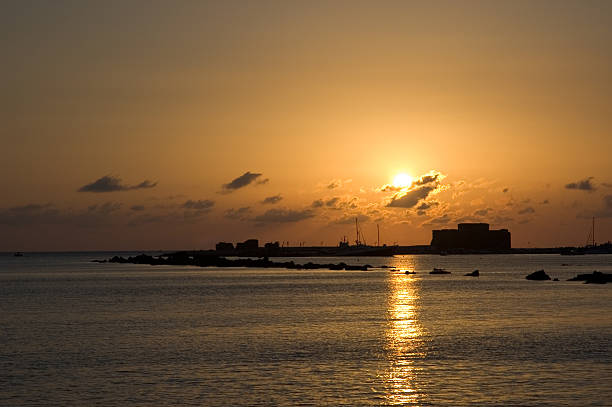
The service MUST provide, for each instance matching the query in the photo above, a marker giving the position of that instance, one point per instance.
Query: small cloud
(545, 202)
(482, 212)
(427, 205)
(583, 185)
(271, 200)
(441, 220)
(201, 205)
(334, 184)
(318, 203)
(137, 208)
(109, 183)
(242, 181)
(283, 216)
(240, 213)
(332, 202)
(350, 219)
(263, 181)
(505, 190)
(104, 208)
(526, 211)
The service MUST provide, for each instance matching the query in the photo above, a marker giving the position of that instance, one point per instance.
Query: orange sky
(487, 96)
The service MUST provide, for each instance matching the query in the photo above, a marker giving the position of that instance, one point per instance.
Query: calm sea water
(74, 332)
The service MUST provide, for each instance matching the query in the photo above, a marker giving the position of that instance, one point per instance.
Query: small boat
(18, 254)
(439, 271)
(409, 272)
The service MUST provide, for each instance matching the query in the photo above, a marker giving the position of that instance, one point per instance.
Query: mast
(377, 235)
(593, 231)
(356, 231)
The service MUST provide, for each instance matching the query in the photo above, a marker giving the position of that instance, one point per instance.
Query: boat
(439, 271)
(591, 247)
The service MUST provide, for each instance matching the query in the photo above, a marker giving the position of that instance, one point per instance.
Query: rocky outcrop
(596, 277)
(539, 275)
(207, 260)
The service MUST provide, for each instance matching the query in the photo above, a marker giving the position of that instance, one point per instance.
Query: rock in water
(539, 275)
(597, 277)
(474, 273)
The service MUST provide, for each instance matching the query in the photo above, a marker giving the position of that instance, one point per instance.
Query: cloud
(505, 190)
(240, 213)
(137, 208)
(410, 198)
(271, 200)
(441, 220)
(427, 205)
(350, 219)
(242, 181)
(604, 212)
(283, 216)
(582, 185)
(420, 189)
(109, 183)
(318, 203)
(201, 205)
(545, 202)
(48, 214)
(526, 211)
(482, 212)
(334, 184)
(332, 202)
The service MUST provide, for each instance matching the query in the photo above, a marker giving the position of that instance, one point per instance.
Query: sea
(78, 333)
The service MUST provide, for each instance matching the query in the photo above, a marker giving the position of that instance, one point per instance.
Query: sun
(402, 180)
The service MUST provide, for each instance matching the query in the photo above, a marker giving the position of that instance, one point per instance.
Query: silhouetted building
(272, 246)
(471, 236)
(251, 244)
(224, 247)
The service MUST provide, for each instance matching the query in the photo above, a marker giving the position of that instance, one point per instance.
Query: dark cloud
(49, 214)
(109, 183)
(105, 208)
(411, 198)
(350, 219)
(332, 202)
(242, 181)
(318, 203)
(240, 213)
(334, 184)
(271, 200)
(505, 190)
(545, 202)
(583, 185)
(441, 220)
(283, 216)
(200, 205)
(427, 205)
(137, 208)
(526, 211)
(263, 181)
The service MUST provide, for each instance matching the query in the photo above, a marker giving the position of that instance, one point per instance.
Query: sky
(174, 125)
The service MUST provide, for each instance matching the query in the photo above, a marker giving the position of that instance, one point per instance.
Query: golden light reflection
(404, 337)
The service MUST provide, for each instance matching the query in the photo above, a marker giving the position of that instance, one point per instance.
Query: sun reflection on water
(404, 336)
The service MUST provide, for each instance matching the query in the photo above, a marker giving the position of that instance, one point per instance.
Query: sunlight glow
(402, 180)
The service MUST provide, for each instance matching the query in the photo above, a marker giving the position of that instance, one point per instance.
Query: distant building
(224, 247)
(272, 246)
(471, 236)
(251, 244)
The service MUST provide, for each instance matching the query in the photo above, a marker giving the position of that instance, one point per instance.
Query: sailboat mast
(593, 231)
(357, 232)
(377, 235)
